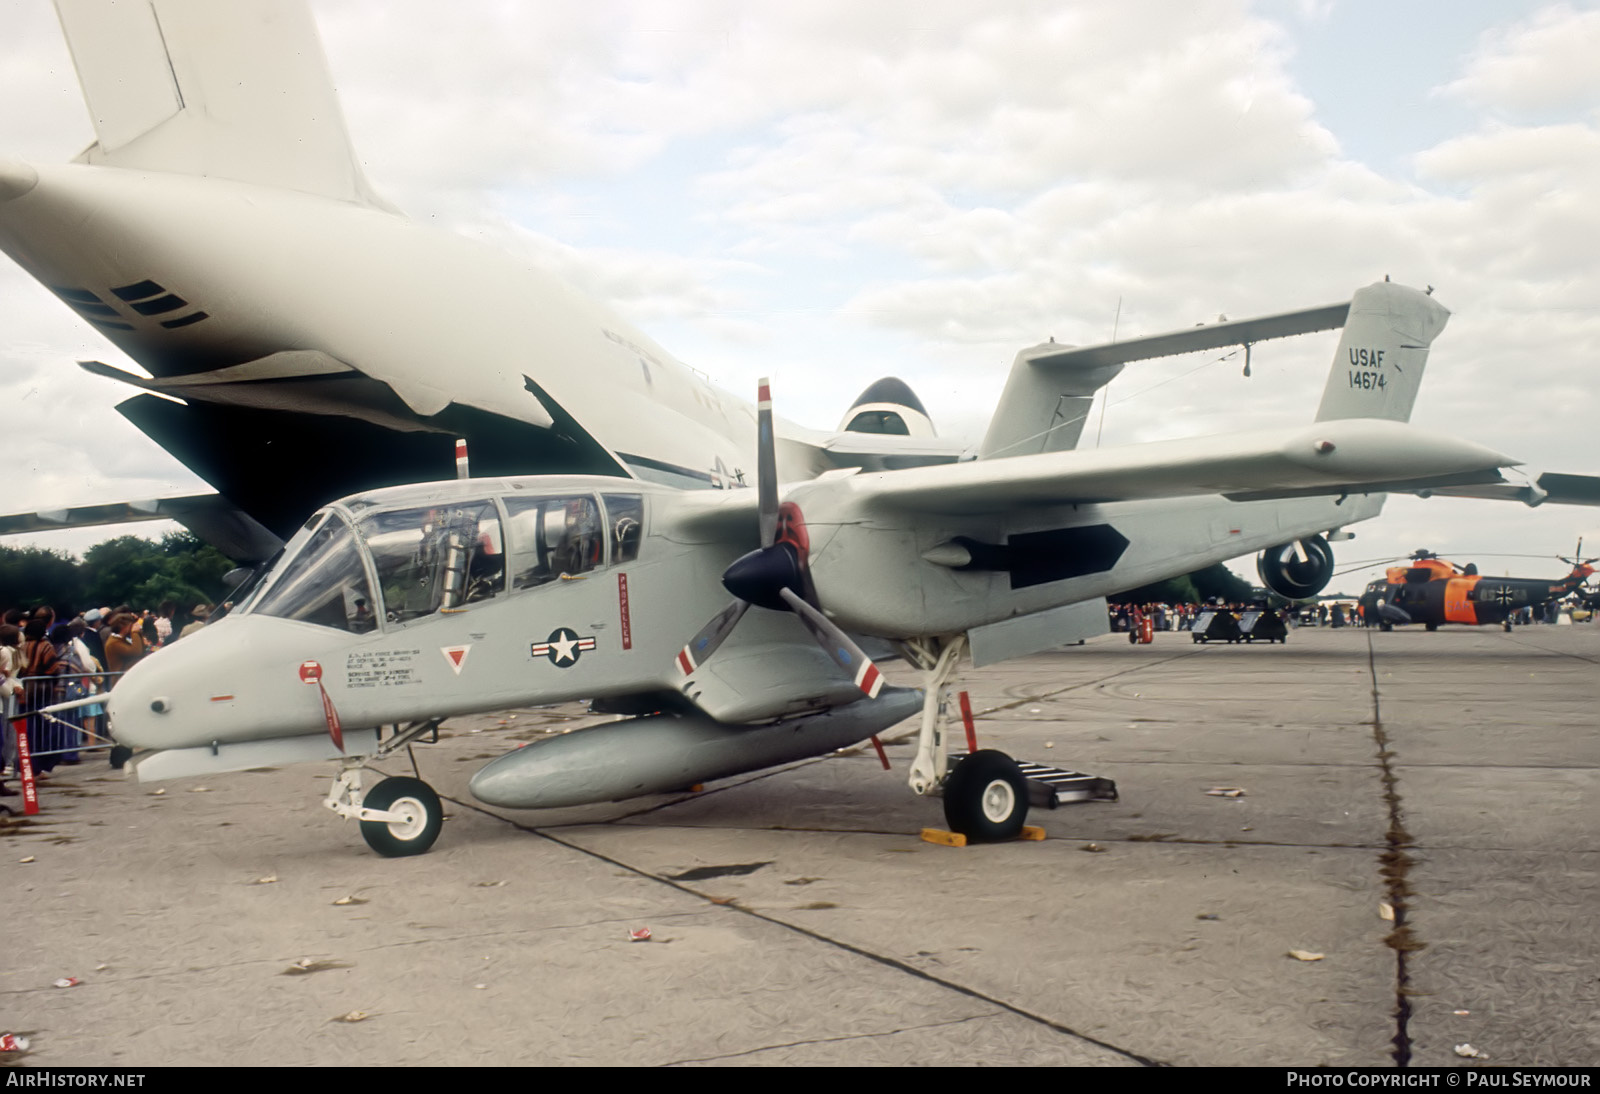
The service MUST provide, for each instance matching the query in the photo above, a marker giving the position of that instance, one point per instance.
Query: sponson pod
(661, 753)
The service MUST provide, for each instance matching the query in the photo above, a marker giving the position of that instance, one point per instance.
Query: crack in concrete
(1396, 871)
(817, 936)
(1517, 641)
(830, 1040)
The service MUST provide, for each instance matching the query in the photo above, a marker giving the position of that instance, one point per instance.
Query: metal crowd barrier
(62, 716)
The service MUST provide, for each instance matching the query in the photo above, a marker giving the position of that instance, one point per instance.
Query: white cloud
(1544, 64)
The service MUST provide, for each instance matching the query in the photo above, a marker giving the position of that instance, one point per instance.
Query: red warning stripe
(869, 680)
(686, 663)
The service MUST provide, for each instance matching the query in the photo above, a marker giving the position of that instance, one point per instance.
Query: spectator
(42, 665)
(65, 729)
(163, 623)
(90, 635)
(126, 646)
(93, 682)
(201, 613)
(10, 699)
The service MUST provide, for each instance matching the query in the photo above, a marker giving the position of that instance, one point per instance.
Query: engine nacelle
(1297, 570)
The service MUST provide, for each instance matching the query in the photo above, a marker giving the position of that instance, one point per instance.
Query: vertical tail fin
(236, 90)
(1379, 363)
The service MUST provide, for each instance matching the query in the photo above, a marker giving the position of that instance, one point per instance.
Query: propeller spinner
(777, 575)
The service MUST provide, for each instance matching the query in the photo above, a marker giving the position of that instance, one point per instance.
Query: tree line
(182, 568)
(140, 573)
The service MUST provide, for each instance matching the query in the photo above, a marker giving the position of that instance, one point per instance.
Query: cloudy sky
(830, 191)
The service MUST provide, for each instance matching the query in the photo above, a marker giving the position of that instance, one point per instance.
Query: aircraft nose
(142, 707)
(235, 680)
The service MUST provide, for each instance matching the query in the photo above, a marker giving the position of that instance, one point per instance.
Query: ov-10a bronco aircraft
(407, 605)
(221, 232)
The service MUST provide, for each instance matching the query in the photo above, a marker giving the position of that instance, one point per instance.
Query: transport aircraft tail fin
(237, 90)
(1378, 366)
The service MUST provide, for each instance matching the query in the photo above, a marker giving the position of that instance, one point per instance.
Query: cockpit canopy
(357, 566)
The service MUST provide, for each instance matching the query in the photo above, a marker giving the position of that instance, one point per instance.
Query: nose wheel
(414, 817)
(986, 797)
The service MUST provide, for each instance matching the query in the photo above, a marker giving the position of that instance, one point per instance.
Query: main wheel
(986, 797)
(417, 803)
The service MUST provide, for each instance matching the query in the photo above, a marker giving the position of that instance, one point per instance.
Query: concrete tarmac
(797, 918)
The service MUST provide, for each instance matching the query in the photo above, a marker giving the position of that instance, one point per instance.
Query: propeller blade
(711, 636)
(766, 465)
(837, 645)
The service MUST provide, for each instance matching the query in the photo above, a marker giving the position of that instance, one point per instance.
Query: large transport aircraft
(306, 344)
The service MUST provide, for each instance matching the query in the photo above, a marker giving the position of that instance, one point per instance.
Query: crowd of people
(1181, 617)
(47, 659)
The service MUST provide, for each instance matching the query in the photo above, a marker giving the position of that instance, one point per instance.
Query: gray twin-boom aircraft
(305, 341)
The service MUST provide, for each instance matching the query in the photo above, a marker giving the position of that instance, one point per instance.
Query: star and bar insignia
(563, 647)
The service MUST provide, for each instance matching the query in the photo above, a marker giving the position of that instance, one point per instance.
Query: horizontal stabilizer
(236, 90)
(1051, 387)
(210, 516)
(1234, 332)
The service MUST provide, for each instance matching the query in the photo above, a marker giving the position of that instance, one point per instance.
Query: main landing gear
(986, 793)
(986, 797)
(401, 815)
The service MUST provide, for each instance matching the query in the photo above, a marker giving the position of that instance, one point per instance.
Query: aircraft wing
(212, 517)
(1552, 486)
(1336, 457)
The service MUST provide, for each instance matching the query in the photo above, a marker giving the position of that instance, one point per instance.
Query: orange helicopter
(1432, 591)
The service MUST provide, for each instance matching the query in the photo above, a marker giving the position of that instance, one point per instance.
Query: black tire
(1133, 638)
(120, 755)
(404, 795)
(1386, 626)
(1431, 626)
(986, 797)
